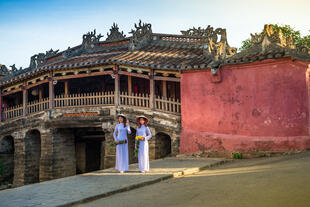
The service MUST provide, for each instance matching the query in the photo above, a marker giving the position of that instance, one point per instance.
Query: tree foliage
(287, 31)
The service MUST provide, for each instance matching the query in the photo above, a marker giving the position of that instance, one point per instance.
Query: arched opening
(7, 160)
(32, 156)
(89, 149)
(162, 145)
(131, 146)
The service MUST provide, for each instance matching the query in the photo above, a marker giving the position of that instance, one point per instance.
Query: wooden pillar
(66, 87)
(40, 92)
(116, 86)
(51, 91)
(152, 90)
(129, 85)
(164, 84)
(25, 100)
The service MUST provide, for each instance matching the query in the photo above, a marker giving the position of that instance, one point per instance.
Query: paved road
(267, 182)
(87, 186)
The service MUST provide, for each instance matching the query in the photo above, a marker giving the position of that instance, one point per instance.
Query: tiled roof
(196, 48)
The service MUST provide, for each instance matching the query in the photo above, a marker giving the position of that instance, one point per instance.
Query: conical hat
(118, 115)
(141, 116)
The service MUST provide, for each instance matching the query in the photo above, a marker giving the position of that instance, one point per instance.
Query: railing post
(116, 86)
(152, 90)
(51, 91)
(25, 99)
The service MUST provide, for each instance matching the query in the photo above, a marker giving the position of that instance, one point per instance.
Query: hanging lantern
(34, 92)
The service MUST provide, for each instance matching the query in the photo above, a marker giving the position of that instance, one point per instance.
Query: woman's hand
(142, 138)
(117, 142)
(127, 123)
(135, 147)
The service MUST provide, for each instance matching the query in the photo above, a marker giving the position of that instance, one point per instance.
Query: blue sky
(30, 27)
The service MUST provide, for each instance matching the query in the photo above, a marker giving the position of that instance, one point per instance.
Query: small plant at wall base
(287, 32)
(237, 155)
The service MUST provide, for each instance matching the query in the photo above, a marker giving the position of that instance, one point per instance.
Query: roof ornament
(50, 53)
(272, 38)
(271, 42)
(40, 58)
(3, 70)
(115, 34)
(13, 68)
(90, 39)
(141, 35)
(213, 46)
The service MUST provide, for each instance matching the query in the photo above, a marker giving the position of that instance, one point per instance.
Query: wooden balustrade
(13, 112)
(85, 99)
(135, 99)
(167, 104)
(164, 104)
(37, 105)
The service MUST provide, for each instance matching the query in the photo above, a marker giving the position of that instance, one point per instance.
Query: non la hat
(141, 116)
(123, 115)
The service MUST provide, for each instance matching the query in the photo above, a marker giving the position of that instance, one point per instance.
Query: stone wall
(64, 160)
(259, 106)
(45, 143)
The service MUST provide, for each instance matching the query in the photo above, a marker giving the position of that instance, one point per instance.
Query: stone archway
(7, 160)
(162, 145)
(32, 156)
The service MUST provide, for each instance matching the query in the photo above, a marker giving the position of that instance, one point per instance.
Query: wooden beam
(167, 78)
(37, 83)
(116, 86)
(134, 74)
(82, 75)
(11, 92)
(129, 85)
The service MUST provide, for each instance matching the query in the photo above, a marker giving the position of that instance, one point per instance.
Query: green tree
(287, 31)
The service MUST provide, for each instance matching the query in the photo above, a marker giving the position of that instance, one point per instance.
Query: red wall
(257, 106)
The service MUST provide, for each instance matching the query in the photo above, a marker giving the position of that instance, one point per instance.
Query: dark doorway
(89, 145)
(7, 160)
(93, 151)
(162, 145)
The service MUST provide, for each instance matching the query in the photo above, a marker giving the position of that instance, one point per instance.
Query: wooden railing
(163, 104)
(167, 104)
(37, 106)
(135, 99)
(86, 99)
(13, 112)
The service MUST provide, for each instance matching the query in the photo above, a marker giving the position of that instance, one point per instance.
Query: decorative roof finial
(141, 35)
(115, 34)
(90, 39)
(213, 46)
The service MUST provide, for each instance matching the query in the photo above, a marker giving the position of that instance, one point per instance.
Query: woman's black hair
(124, 121)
